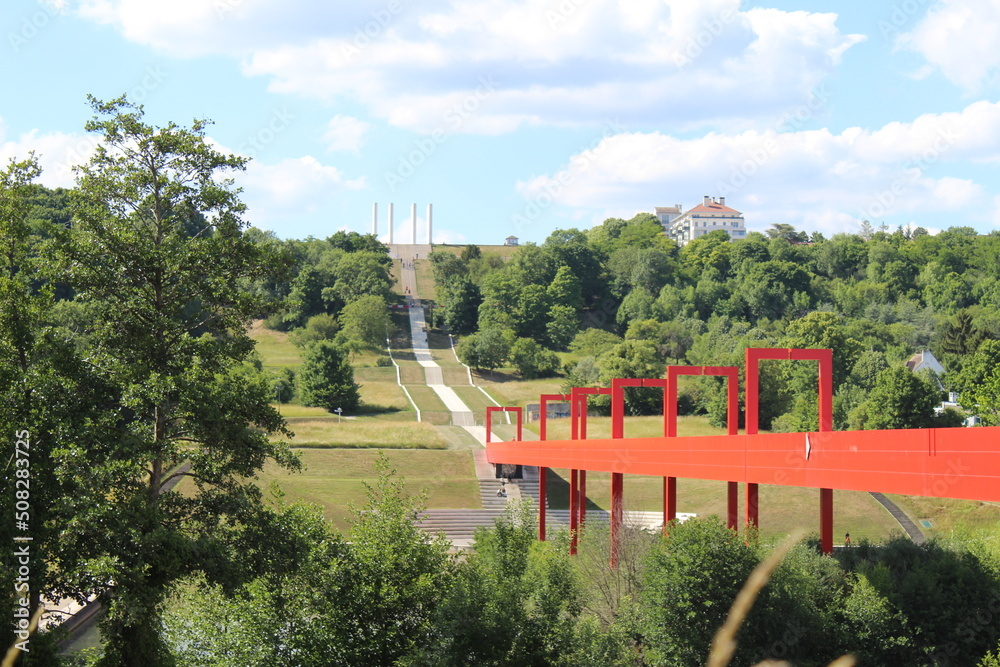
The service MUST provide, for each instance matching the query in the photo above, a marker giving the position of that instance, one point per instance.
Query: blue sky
(525, 116)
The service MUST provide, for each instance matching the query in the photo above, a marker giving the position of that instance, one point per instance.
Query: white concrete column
(429, 223)
(390, 223)
(375, 218)
(413, 224)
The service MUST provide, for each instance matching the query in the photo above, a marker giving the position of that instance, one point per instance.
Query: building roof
(668, 209)
(924, 359)
(713, 208)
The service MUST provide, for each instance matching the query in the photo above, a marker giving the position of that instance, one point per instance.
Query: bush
(532, 360)
(317, 328)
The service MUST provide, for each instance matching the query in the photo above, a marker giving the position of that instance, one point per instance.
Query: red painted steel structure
(578, 478)
(489, 422)
(825, 388)
(732, 374)
(542, 470)
(940, 463)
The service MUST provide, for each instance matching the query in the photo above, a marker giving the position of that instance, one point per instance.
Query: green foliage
(532, 360)
(326, 379)
(513, 602)
(486, 350)
(460, 299)
(321, 599)
(158, 255)
(366, 320)
(318, 327)
(691, 578)
(979, 383)
(901, 399)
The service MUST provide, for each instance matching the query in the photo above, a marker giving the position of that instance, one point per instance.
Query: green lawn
(508, 389)
(949, 516)
(274, 348)
(334, 478)
(316, 431)
(782, 509)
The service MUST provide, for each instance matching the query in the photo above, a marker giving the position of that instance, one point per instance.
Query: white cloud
(959, 38)
(345, 133)
(57, 153)
(283, 192)
(813, 179)
(565, 63)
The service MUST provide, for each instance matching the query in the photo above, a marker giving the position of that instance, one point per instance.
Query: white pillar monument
(390, 223)
(413, 224)
(429, 223)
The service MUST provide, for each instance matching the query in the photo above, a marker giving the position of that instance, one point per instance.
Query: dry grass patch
(274, 348)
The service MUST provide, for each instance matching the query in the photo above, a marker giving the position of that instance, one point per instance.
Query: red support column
(669, 500)
(573, 501)
(617, 479)
(826, 520)
(751, 420)
(751, 508)
(582, 503)
(732, 506)
(616, 516)
(542, 499)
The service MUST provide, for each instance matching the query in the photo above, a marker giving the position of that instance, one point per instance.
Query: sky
(520, 117)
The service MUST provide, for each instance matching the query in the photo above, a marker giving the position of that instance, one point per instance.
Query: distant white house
(510, 240)
(709, 216)
(924, 359)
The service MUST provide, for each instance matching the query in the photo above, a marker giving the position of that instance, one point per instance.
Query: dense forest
(126, 366)
(626, 301)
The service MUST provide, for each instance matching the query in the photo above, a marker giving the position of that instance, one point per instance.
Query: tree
(564, 290)
(471, 252)
(979, 383)
(318, 327)
(359, 274)
(326, 379)
(366, 319)
(901, 399)
(532, 360)
(486, 350)
(460, 299)
(564, 323)
(157, 252)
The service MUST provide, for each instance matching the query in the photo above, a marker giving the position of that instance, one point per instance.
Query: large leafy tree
(157, 252)
(327, 379)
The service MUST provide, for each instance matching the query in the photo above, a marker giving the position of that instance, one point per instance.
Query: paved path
(900, 516)
(461, 415)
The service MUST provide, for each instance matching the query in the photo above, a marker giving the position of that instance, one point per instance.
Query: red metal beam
(937, 462)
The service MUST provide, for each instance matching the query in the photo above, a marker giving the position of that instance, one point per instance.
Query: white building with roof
(709, 216)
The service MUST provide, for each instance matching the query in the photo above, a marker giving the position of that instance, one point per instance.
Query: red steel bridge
(935, 462)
